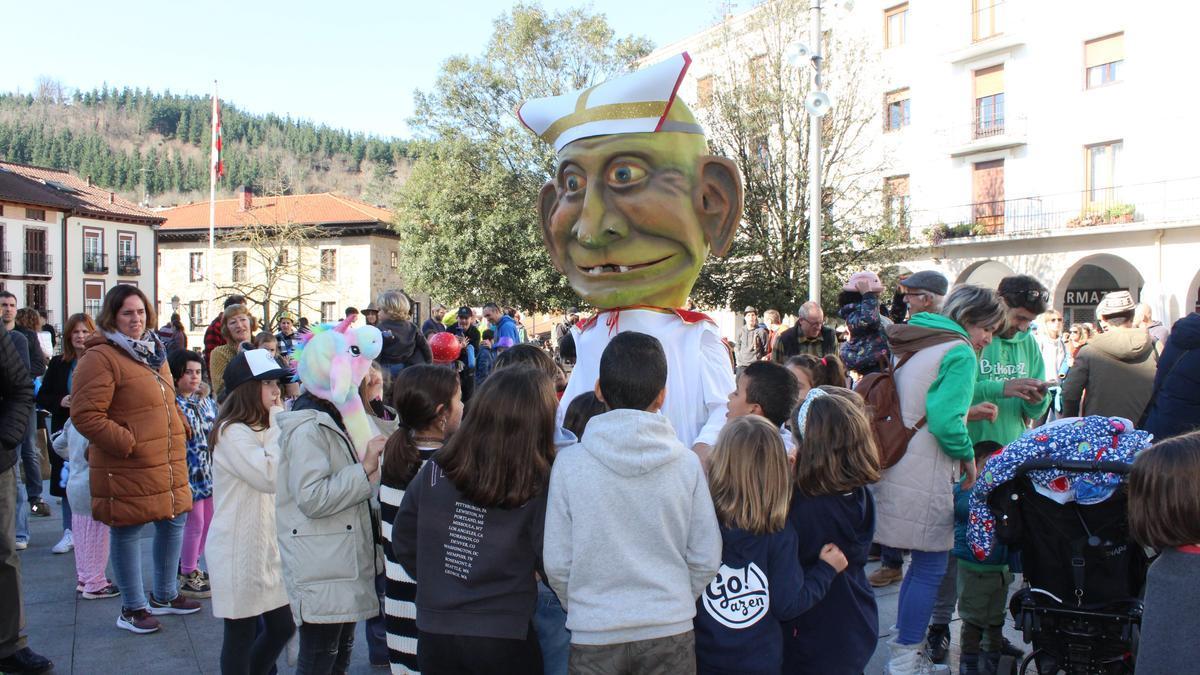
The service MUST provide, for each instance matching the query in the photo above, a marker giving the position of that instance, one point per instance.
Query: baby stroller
(1080, 606)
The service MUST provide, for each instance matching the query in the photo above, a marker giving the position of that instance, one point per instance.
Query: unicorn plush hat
(332, 362)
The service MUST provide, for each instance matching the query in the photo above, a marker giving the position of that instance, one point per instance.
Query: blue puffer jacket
(1175, 408)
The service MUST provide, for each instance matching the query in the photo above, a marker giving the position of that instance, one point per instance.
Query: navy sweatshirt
(838, 635)
(473, 565)
(760, 585)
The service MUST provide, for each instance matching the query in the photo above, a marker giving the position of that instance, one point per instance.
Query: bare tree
(50, 90)
(753, 108)
(269, 266)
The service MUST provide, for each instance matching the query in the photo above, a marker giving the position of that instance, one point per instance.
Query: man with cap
(469, 338)
(636, 205)
(923, 291)
(752, 340)
(1113, 374)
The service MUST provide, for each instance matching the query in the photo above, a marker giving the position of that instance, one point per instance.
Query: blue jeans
(31, 462)
(66, 513)
(891, 558)
(22, 512)
(376, 627)
(125, 554)
(918, 592)
(550, 622)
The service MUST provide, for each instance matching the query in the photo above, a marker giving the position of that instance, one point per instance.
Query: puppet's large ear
(547, 202)
(718, 201)
(343, 326)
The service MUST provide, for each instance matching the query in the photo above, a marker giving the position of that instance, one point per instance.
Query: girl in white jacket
(243, 552)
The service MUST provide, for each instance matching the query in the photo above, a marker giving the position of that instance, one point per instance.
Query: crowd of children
(500, 541)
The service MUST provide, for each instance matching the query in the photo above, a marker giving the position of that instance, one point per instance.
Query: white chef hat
(641, 102)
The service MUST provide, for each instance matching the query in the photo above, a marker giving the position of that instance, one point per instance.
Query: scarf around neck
(148, 350)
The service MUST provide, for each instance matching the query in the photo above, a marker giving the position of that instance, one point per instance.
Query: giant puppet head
(637, 203)
(331, 364)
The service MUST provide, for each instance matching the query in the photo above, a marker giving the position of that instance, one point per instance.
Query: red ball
(444, 346)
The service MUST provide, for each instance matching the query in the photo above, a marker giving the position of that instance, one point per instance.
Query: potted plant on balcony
(1120, 213)
(938, 233)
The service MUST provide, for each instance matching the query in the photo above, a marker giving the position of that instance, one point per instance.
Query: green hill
(156, 145)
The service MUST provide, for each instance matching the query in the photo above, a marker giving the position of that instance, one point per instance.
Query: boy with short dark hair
(769, 390)
(631, 535)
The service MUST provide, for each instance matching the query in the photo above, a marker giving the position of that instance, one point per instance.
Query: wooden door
(988, 195)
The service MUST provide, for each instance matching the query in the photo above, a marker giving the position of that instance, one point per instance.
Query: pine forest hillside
(156, 145)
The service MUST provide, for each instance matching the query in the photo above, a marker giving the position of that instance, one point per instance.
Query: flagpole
(212, 202)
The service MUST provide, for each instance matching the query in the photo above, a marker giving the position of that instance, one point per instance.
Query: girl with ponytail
(428, 405)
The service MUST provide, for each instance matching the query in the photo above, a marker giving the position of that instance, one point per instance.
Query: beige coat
(242, 550)
(325, 522)
(914, 501)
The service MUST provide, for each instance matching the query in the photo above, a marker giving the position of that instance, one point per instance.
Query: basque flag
(218, 167)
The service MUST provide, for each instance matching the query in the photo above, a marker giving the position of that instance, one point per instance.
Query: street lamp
(817, 104)
(175, 304)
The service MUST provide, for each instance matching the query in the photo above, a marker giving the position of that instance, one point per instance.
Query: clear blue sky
(352, 64)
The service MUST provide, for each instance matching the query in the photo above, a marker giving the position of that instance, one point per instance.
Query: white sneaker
(911, 660)
(64, 545)
(21, 544)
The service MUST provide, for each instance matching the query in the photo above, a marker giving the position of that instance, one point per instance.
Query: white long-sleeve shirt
(699, 375)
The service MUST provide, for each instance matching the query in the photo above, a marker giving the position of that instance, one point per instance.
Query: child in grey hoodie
(631, 537)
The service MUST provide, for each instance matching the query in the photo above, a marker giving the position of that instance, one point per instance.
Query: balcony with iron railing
(37, 262)
(1163, 202)
(129, 265)
(95, 263)
(988, 129)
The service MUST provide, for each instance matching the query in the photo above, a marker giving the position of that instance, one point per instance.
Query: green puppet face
(630, 218)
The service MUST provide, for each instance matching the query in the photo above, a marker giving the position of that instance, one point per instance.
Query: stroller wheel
(1007, 665)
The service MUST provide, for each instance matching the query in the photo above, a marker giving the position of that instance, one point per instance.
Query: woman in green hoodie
(938, 355)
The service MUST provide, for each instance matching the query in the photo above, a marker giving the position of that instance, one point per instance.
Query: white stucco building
(65, 242)
(347, 256)
(1050, 139)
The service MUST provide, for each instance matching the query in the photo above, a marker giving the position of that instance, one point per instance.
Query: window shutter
(1104, 50)
(989, 81)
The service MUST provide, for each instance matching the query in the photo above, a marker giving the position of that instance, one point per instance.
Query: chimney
(245, 196)
(89, 181)
(112, 198)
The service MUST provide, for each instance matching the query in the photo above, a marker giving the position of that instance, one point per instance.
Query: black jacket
(1175, 407)
(403, 343)
(789, 344)
(54, 388)
(473, 566)
(37, 358)
(16, 401)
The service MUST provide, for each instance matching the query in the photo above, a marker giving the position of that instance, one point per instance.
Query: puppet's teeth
(623, 268)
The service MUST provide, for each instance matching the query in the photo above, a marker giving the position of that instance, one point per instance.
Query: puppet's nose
(598, 226)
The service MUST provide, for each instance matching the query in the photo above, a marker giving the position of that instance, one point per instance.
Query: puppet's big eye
(355, 350)
(625, 173)
(575, 183)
